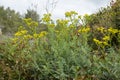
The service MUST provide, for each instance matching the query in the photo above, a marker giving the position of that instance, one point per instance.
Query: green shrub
(62, 52)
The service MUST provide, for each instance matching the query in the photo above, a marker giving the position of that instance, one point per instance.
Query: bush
(62, 52)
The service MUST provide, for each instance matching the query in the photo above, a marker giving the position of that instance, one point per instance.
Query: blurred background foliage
(11, 20)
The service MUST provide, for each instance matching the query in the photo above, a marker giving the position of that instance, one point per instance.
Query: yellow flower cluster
(46, 18)
(107, 35)
(86, 15)
(62, 21)
(69, 14)
(110, 30)
(113, 31)
(106, 38)
(27, 20)
(101, 29)
(42, 34)
(35, 35)
(31, 23)
(14, 40)
(104, 41)
(52, 25)
(100, 43)
(28, 36)
(20, 33)
(97, 41)
(84, 30)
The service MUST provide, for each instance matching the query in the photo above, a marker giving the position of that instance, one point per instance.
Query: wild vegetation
(64, 49)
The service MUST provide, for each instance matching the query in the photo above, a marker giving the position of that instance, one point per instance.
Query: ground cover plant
(64, 51)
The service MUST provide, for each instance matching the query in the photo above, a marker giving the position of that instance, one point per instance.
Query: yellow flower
(23, 32)
(73, 12)
(71, 26)
(43, 33)
(52, 25)
(20, 33)
(40, 35)
(80, 30)
(27, 20)
(87, 29)
(46, 18)
(106, 38)
(35, 35)
(69, 14)
(101, 29)
(62, 21)
(97, 41)
(113, 31)
(33, 24)
(84, 30)
(29, 24)
(14, 40)
(100, 43)
(27, 36)
(105, 43)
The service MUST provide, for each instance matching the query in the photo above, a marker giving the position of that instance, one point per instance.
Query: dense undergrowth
(65, 51)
